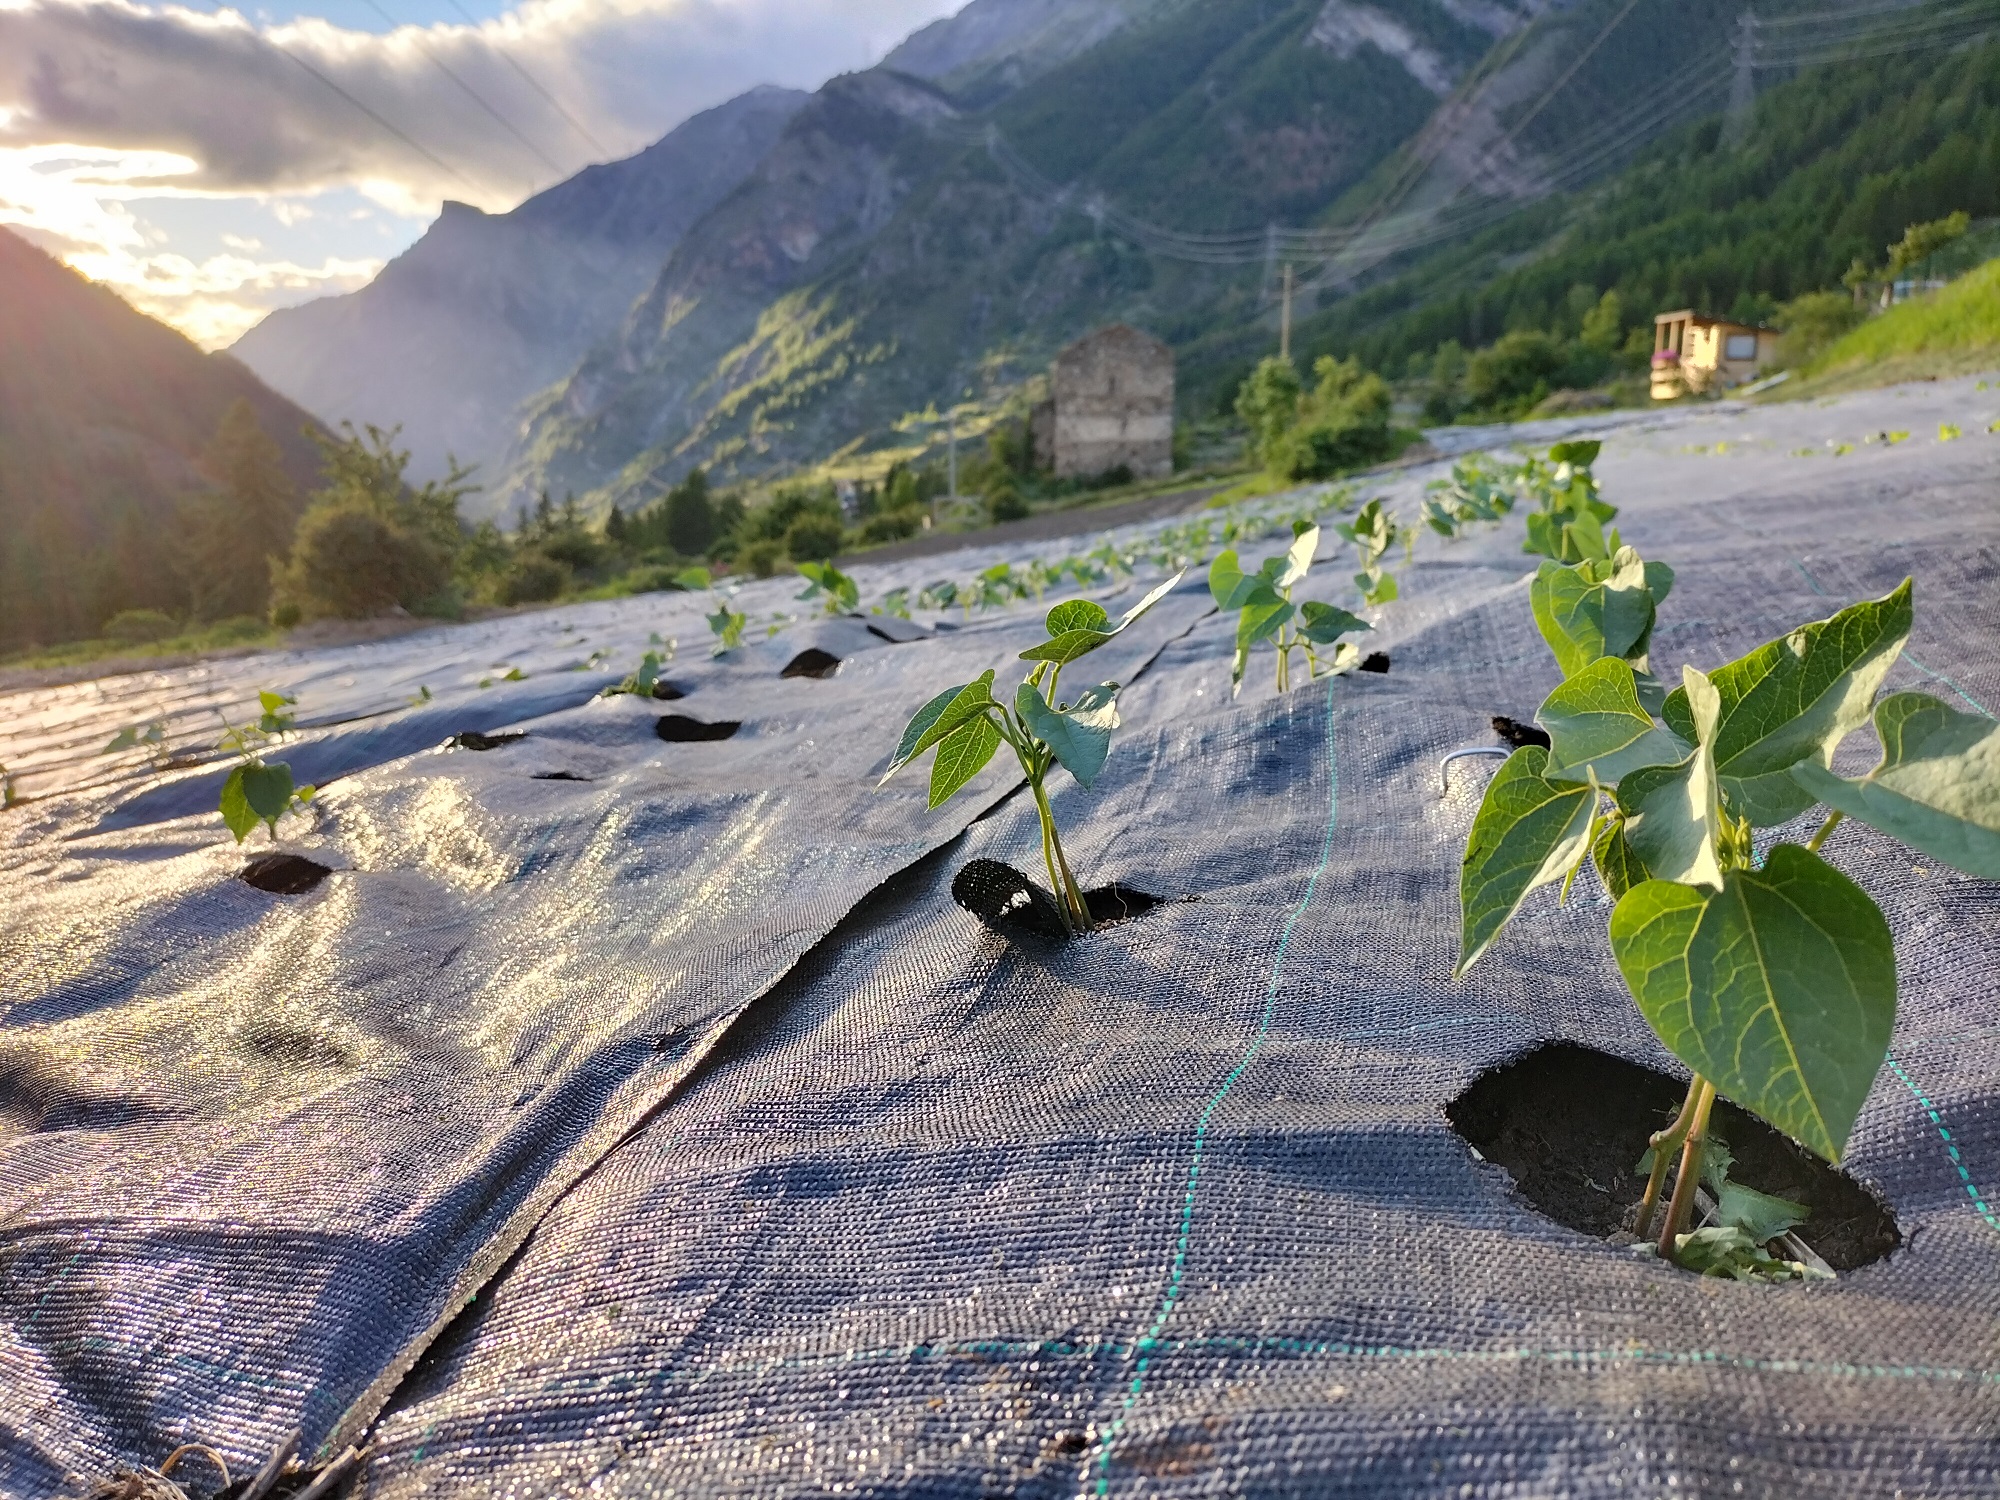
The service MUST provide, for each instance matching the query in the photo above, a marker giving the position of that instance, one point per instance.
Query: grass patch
(1952, 331)
(225, 635)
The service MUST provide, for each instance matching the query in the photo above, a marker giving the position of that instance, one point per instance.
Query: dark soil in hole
(472, 739)
(679, 729)
(1570, 1123)
(1375, 661)
(666, 692)
(812, 662)
(283, 874)
(558, 776)
(1519, 735)
(1007, 902)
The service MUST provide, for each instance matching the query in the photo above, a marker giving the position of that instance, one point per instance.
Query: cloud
(418, 114)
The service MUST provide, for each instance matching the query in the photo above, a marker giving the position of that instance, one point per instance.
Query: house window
(1741, 346)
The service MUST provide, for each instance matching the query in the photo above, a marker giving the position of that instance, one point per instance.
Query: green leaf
(1798, 698)
(1673, 815)
(1326, 623)
(1617, 866)
(1659, 582)
(1076, 641)
(1597, 726)
(694, 578)
(1529, 831)
(1228, 584)
(1298, 558)
(125, 739)
(1260, 621)
(1580, 452)
(1937, 787)
(944, 714)
(1077, 614)
(1724, 1250)
(962, 755)
(1587, 611)
(1377, 589)
(1780, 988)
(1078, 736)
(1759, 1215)
(237, 814)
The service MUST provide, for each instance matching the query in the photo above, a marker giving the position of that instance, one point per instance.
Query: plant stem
(1832, 821)
(1664, 1144)
(1685, 1181)
(1074, 911)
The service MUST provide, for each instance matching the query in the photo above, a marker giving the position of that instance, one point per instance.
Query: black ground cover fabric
(726, 1155)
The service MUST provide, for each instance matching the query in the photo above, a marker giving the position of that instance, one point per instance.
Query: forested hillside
(109, 424)
(1832, 167)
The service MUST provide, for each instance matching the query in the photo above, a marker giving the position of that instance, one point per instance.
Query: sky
(211, 164)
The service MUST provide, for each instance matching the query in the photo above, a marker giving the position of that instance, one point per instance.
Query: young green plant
(838, 593)
(727, 623)
(966, 725)
(256, 790)
(1773, 980)
(1264, 610)
(1373, 531)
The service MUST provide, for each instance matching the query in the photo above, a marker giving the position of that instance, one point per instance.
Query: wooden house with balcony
(1694, 354)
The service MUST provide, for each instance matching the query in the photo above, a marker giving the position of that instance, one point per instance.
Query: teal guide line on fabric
(1151, 1340)
(1951, 1149)
(1977, 706)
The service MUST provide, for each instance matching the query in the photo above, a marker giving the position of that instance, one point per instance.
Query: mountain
(487, 309)
(104, 415)
(931, 231)
(884, 256)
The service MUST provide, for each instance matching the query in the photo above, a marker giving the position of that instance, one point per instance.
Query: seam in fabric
(1150, 1340)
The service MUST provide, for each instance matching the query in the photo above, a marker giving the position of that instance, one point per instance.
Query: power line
(215, 9)
(554, 103)
(474, 95)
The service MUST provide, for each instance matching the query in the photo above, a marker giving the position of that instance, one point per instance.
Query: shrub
(349, 560)
(813, 537)
(1268, 401)
(1004, 502)
(136, 627)
(532, 578)
(761, 557)
(892, 525)
(1515, 372)
(1342, 424)
(1815, 322)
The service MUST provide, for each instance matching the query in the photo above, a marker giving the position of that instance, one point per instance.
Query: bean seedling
(967, 724)
(727, 623)
(839, 593)
(1773, 980)
(1373, 531)
(1265, 611)
(256, 790)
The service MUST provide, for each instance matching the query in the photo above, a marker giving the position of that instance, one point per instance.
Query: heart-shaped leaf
(962, 755)
(1780, 988)
(1798, 698)
(1078, 736)
(1529, 831)
(1076, 614)
(946, 712)
(1075, 641)
(1937, 787)
(1597, 726)
(1326, 623)
(1673, 814)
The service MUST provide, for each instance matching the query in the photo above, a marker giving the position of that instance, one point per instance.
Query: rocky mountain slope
(104, 414)
(487, 309)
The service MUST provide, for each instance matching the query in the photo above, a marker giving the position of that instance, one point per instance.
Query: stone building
(1111, 404)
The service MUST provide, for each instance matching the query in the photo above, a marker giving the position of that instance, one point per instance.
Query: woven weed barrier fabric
(673, 1132)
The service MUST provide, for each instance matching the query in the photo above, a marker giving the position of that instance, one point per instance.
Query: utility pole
(951, 453)
(1743, 89)
(1285, 319)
